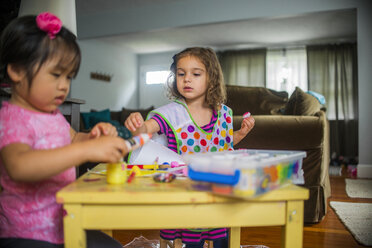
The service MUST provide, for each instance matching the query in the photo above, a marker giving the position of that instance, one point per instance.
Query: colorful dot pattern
(192, 140)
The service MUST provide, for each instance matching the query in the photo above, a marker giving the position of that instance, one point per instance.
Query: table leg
(74, 233)
(234, 237)
(292, 232)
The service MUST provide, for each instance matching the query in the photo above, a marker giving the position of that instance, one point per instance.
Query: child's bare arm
(137, 125)
(24, 164)
(246, 127)
(101, 129)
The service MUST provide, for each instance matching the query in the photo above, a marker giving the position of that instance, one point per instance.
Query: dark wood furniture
(70, 108)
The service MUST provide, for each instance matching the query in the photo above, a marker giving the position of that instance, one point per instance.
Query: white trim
(364, 171)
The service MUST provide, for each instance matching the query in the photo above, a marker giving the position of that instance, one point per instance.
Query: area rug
(357, 217)
(358, 188)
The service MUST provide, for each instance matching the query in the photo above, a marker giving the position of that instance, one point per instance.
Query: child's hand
(103, 129)
(134, 121)
(106, 149)
(247, 125)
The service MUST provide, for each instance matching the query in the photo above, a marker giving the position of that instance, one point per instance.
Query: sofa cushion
(92, 118)
(126, 112)
(301, 103)
(257, 100)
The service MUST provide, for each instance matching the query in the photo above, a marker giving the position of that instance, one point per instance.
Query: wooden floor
(329, 233)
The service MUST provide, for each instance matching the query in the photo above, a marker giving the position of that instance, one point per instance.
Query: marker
(246, 115)
(137, 141)
(131, 177)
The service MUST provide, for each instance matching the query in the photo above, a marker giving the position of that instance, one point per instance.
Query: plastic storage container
(245, 173)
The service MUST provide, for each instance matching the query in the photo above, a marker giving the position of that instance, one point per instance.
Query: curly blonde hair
(216, 90)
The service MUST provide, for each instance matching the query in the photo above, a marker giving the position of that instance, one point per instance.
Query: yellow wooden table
(144, 204)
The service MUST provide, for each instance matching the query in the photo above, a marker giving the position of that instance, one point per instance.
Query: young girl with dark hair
(38, 147)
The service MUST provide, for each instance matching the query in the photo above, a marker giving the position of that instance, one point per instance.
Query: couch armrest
(302, 133)
(285, 132)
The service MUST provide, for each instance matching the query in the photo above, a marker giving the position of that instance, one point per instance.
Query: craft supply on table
(116, 173)
(147, 169)
(144, 166)
(223, 189)
(245, 173)
(131, 176)
(164, 177)
(156, 166)
(137, 141)
(246, 115)
(136, 170)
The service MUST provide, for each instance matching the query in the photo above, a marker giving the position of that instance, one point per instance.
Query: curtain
(244, 67)
(332, 72)
(286, 69)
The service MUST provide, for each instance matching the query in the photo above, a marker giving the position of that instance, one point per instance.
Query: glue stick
(137, 141)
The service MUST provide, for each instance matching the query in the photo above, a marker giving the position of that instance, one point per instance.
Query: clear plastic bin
(245, 173)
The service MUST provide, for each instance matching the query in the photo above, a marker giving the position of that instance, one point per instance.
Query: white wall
(64, 9)
(152, 94)
(155, 15)
(105, 57)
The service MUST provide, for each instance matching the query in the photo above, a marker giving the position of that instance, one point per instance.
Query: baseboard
(364, 171)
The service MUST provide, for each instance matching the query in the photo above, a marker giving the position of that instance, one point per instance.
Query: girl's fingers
(93, 132)
(138, 120)
(130, 126)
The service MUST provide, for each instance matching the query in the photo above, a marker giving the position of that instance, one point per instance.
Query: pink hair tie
(49, 23)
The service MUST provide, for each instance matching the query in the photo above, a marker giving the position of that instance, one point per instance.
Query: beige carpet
(358, 188)
(357, 217)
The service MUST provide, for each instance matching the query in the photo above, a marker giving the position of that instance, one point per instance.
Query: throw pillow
(92, 118)
(126, 112)
(301, 103)
(85, 117)
(257, 100)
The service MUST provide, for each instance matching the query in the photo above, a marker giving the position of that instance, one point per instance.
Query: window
(157, 77)
(286, 69)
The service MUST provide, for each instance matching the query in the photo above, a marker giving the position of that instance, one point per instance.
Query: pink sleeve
(13, 129)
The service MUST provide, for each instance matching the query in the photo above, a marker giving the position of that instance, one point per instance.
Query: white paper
(152, 150)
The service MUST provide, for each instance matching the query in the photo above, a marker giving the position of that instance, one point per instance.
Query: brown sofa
(298, 123)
